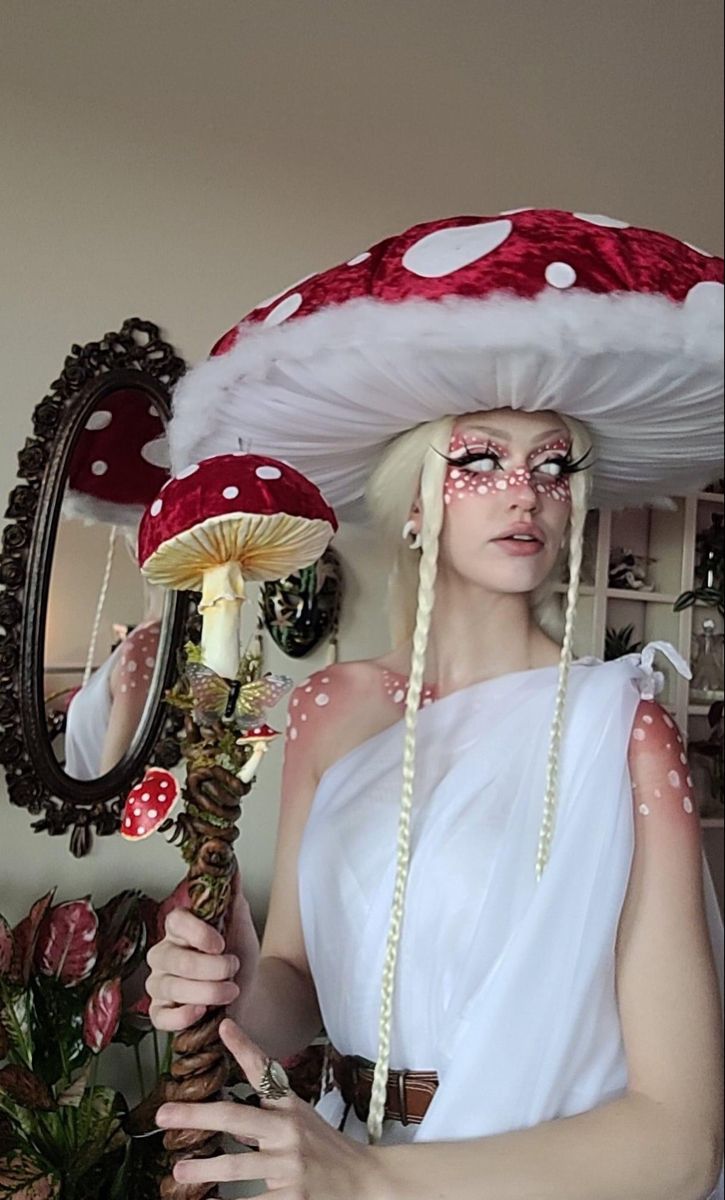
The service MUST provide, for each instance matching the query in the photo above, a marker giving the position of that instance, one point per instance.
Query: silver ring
(275, 1085)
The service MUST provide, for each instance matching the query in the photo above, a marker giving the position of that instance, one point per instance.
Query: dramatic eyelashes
(568, 465)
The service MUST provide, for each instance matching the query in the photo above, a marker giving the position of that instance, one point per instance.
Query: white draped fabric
(504, 986)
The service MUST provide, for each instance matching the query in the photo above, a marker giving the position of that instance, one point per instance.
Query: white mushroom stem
(221, 608)
(249, 769)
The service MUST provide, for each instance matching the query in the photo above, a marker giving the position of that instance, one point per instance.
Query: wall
(178, 161)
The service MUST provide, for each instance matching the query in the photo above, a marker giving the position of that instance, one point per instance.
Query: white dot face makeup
(480, 473)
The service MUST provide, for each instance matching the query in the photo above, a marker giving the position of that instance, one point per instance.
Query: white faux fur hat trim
(327, 392)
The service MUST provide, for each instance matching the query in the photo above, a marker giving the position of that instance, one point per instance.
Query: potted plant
(68, 974)
(618, 642)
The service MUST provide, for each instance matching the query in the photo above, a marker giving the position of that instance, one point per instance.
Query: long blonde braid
(580, 484)
(431, 491)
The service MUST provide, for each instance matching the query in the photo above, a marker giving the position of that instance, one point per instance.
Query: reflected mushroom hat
(119, 463)
(535, 309)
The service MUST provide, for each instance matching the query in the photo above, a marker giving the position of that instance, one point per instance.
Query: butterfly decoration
(233, 702)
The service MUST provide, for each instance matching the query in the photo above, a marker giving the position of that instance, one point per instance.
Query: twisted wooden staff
(207, 831)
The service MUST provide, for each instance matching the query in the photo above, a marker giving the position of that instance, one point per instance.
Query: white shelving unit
(669, 538)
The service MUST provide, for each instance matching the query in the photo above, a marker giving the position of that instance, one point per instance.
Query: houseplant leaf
(101, 1015)
(67, 942)
(6, 947)
(26, 1088)
(25, 935)
(21, 1178)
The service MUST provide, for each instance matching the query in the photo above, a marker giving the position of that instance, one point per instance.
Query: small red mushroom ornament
(259, 738)
(148, 804)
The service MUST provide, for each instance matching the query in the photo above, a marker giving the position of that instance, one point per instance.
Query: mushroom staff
(217, 524)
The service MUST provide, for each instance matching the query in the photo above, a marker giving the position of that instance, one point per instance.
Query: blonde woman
(489, 883)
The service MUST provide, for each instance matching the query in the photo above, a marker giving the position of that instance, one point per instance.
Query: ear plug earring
(409, 528)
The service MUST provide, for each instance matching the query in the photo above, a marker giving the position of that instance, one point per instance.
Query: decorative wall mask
(303, 609)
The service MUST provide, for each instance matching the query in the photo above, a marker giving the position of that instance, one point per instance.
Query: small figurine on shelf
(707, 664)
(629, 570)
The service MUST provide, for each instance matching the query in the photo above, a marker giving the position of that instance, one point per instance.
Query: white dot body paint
(674, 779)
(322, 699)
(687, 804)
(638, 734)
(644, 810)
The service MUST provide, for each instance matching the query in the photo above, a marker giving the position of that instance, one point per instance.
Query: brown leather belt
(409, 1092)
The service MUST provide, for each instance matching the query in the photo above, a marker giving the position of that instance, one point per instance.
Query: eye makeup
(463, 479)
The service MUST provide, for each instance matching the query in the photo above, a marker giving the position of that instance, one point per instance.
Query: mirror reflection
(104, 620)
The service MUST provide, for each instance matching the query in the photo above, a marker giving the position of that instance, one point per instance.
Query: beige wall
(180, 160)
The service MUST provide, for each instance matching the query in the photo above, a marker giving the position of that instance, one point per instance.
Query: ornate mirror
(87, 649)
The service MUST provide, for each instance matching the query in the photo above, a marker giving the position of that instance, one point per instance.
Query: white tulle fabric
(504, 986)
(87, 721)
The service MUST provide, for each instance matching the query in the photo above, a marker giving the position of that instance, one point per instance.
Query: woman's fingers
(172, 989)
(177, 1018)
(228, 1168)
(185, 929)
(169, 959)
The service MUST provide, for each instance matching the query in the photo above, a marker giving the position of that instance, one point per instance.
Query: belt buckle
(402, 1076)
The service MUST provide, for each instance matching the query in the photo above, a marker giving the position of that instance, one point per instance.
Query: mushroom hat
(120, 461)
(535, 309)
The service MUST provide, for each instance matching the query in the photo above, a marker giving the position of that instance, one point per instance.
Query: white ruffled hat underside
(326, 393)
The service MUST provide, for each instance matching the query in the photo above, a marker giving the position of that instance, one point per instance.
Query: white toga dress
(504, 986)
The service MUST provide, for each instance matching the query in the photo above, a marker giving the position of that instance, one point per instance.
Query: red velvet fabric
(198, 493)
(109, 461)
(604, 259)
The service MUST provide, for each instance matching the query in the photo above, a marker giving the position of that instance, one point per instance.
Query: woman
(105, 713)
(537, 966)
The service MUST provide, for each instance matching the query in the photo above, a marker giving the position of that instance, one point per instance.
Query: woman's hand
(300, 1156)
(190, 970)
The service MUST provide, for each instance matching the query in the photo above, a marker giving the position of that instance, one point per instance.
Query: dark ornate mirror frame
(134, 357)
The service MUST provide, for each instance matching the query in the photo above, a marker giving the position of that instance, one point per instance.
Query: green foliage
(618, 642)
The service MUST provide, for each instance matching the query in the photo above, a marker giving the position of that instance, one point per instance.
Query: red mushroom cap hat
(120, 461)
(533, 309)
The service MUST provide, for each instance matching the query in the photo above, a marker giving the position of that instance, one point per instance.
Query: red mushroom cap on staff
(259, 733)
(259, 736)
(148, 804)
(228, 518)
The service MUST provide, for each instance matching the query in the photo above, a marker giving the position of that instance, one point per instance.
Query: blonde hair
(414, 464)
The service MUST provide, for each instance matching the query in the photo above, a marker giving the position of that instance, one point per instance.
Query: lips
(532, 531)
